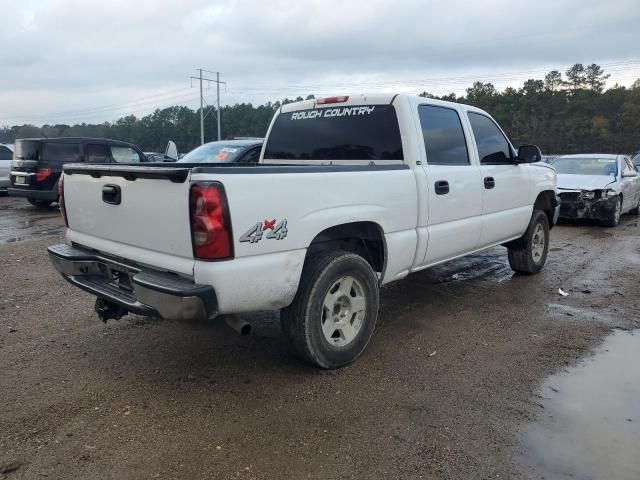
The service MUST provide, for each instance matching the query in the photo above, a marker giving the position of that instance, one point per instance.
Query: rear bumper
(51, 195)
(145, 292)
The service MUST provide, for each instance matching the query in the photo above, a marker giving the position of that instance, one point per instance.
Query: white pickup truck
(349, 193)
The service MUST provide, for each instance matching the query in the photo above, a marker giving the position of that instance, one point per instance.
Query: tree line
(562, 113)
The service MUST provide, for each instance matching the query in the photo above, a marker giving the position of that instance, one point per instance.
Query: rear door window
(97, 153)
(125, 154)
(493, 147)
(62, 152)
(444, 139)
(364, 132)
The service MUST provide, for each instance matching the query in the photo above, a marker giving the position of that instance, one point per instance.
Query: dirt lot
(447, 381)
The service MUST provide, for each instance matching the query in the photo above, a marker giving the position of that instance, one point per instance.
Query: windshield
(636, 160)
(587, 166)
(213, 153)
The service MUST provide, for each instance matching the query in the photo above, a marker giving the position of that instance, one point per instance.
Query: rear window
(26, 150)
(62, 152)
(367, 132)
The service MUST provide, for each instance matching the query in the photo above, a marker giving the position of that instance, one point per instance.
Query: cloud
(75, 56)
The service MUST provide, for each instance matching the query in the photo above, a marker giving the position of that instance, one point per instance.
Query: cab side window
(125, 154)
(444, 139)
(493, 147)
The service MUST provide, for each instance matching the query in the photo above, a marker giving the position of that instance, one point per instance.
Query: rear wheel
(614, 216)
(636, 210)
(529, 254)
(333, 315)
(39, 203)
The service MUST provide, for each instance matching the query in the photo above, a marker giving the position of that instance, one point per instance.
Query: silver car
(6, 155)
(597, 186)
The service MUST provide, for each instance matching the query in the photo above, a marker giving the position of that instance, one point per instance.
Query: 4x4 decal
(277, 231)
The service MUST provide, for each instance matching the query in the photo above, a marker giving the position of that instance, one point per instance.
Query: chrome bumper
(136, 290)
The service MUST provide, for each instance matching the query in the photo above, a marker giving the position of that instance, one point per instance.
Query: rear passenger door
(505, 185)
(453, 183)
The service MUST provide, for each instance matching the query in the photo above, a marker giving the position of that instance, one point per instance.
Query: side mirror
(529, 154)
(171, 151)
(629, 173)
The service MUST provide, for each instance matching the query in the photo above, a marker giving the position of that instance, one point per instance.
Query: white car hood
(584, 182)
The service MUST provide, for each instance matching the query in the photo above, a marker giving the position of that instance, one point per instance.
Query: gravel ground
(449, 377)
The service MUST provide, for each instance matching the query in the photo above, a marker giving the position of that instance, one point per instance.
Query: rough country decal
(332, 112)
(276, 230)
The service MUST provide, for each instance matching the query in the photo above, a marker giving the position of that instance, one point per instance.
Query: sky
(91, 61)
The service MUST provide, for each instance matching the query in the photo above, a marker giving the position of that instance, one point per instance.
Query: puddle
(590, 425)
(19, 221)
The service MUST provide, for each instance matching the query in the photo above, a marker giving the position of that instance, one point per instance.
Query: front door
(453, 183)
(506, 188)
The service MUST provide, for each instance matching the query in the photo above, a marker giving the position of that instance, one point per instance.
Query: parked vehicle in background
(597, 186)
(350, 193)
(226, 151)
(37, 163)
(6, 155)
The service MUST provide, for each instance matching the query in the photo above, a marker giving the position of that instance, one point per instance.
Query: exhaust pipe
(239, 325)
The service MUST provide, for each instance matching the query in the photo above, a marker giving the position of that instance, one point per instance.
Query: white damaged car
(597, 186)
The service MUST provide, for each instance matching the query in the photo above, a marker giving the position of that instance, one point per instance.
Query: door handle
(111, 194)
(442, 187)
(489, 183)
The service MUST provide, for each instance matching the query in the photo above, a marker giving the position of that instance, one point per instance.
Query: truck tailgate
(146, 207)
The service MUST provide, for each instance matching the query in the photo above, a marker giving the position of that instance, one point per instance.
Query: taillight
(342, 99)
(210, 224)
(42, 174)
(63, 209)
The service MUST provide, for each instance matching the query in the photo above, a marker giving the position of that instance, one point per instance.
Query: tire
(39, 203)
(636, 210)
(334, 312)
(529, 254)
(614, 218)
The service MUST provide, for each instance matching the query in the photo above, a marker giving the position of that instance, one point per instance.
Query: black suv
(37, 163)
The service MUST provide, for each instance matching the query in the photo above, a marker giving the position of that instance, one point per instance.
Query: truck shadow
(203, 354)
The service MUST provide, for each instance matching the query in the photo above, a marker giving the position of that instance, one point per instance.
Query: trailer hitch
(107, 310)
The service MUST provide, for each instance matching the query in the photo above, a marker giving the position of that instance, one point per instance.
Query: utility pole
(200, 78)
(201, 112)
(218, 102)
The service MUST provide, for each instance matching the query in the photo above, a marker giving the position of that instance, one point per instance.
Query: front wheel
(529, 254)
(614, 216)
(334, 312)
